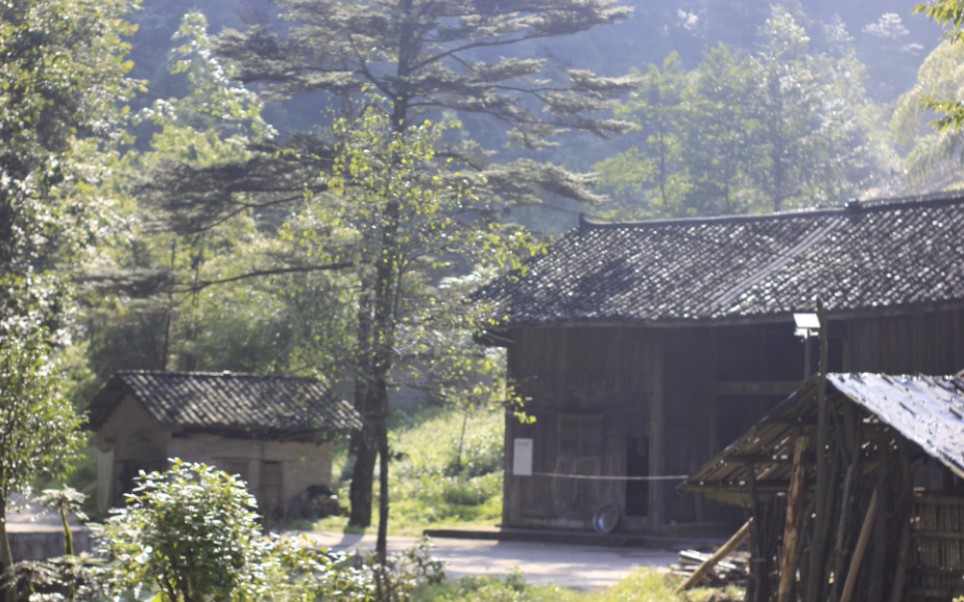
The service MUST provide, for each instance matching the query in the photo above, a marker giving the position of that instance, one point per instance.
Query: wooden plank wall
(591, 372)
(937, 552)
(929, 343)
(691, 414)
(714, 382)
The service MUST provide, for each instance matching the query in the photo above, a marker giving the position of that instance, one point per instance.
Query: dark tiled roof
(926, 410)
(227, 402)
(868, 255)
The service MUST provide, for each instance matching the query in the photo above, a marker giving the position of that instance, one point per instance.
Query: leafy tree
(424, 57)
(404, 217)
(656, 169)
(789, 101)
(40, 429)
(819, 126)
(784, 126)
(934, 156)
(165, 311)
(61, 81)
(950, 14)
(721, 129)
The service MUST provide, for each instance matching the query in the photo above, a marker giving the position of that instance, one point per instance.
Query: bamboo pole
(731, 544)
(796, 497)
(839, 555)
(860, 550)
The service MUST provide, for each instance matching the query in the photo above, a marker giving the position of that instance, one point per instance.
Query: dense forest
(314, 187)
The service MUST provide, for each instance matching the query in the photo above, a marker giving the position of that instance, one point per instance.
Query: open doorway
(637, 465)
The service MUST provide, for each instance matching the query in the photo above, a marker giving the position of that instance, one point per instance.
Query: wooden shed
(275, 432)
(643, 348)
(885, 522)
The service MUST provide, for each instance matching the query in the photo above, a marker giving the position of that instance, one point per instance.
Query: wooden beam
(764, 487)
(944, 535)
(731, 544)
(860, 550)
(756, 459)
(801, 421)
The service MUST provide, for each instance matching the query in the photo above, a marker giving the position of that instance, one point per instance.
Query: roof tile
(867, 255)
(265, 405)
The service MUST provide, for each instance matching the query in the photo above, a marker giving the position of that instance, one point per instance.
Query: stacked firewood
(731, 570)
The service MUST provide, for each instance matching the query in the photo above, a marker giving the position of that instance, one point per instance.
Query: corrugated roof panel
(928, 410)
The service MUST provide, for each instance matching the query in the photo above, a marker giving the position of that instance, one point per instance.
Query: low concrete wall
(45, 543)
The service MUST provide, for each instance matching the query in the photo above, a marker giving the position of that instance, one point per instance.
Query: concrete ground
(568, 565)
(579, 566)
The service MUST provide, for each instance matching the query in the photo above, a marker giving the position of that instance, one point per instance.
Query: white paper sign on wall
(522, 458)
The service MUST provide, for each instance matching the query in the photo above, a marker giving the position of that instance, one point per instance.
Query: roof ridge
(852, 205)
(223, 373)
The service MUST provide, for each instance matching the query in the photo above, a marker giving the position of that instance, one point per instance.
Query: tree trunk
(383, 348)
(362, 442)
(362, 479)
(381, 544)
(377, 341)
(7, 586)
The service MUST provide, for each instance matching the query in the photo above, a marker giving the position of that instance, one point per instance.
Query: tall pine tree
(423, 58)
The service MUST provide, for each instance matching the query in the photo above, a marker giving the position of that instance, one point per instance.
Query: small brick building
(275, 432)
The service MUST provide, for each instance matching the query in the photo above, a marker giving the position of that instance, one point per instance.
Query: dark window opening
(580, 435)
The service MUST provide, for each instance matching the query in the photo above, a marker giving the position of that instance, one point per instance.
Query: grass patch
(447, 471)
(643, 585)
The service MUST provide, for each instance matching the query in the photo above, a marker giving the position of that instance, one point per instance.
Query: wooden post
(860, 550)
(796, 498)
(731, 544)
(817, 578)
(758, 588)
(656, 425)
(508, 479)
(897, 588)
(903, 513)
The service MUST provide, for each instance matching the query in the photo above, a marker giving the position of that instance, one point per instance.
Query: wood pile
(731, 570)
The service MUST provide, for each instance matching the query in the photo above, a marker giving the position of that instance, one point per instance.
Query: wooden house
(275, 432)
(643, 348)
(886, 520)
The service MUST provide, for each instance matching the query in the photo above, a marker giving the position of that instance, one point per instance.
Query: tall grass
(643, 585)
(446, 471)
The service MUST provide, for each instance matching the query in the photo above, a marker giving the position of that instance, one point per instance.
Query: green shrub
(189, 534)
(192, 535)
